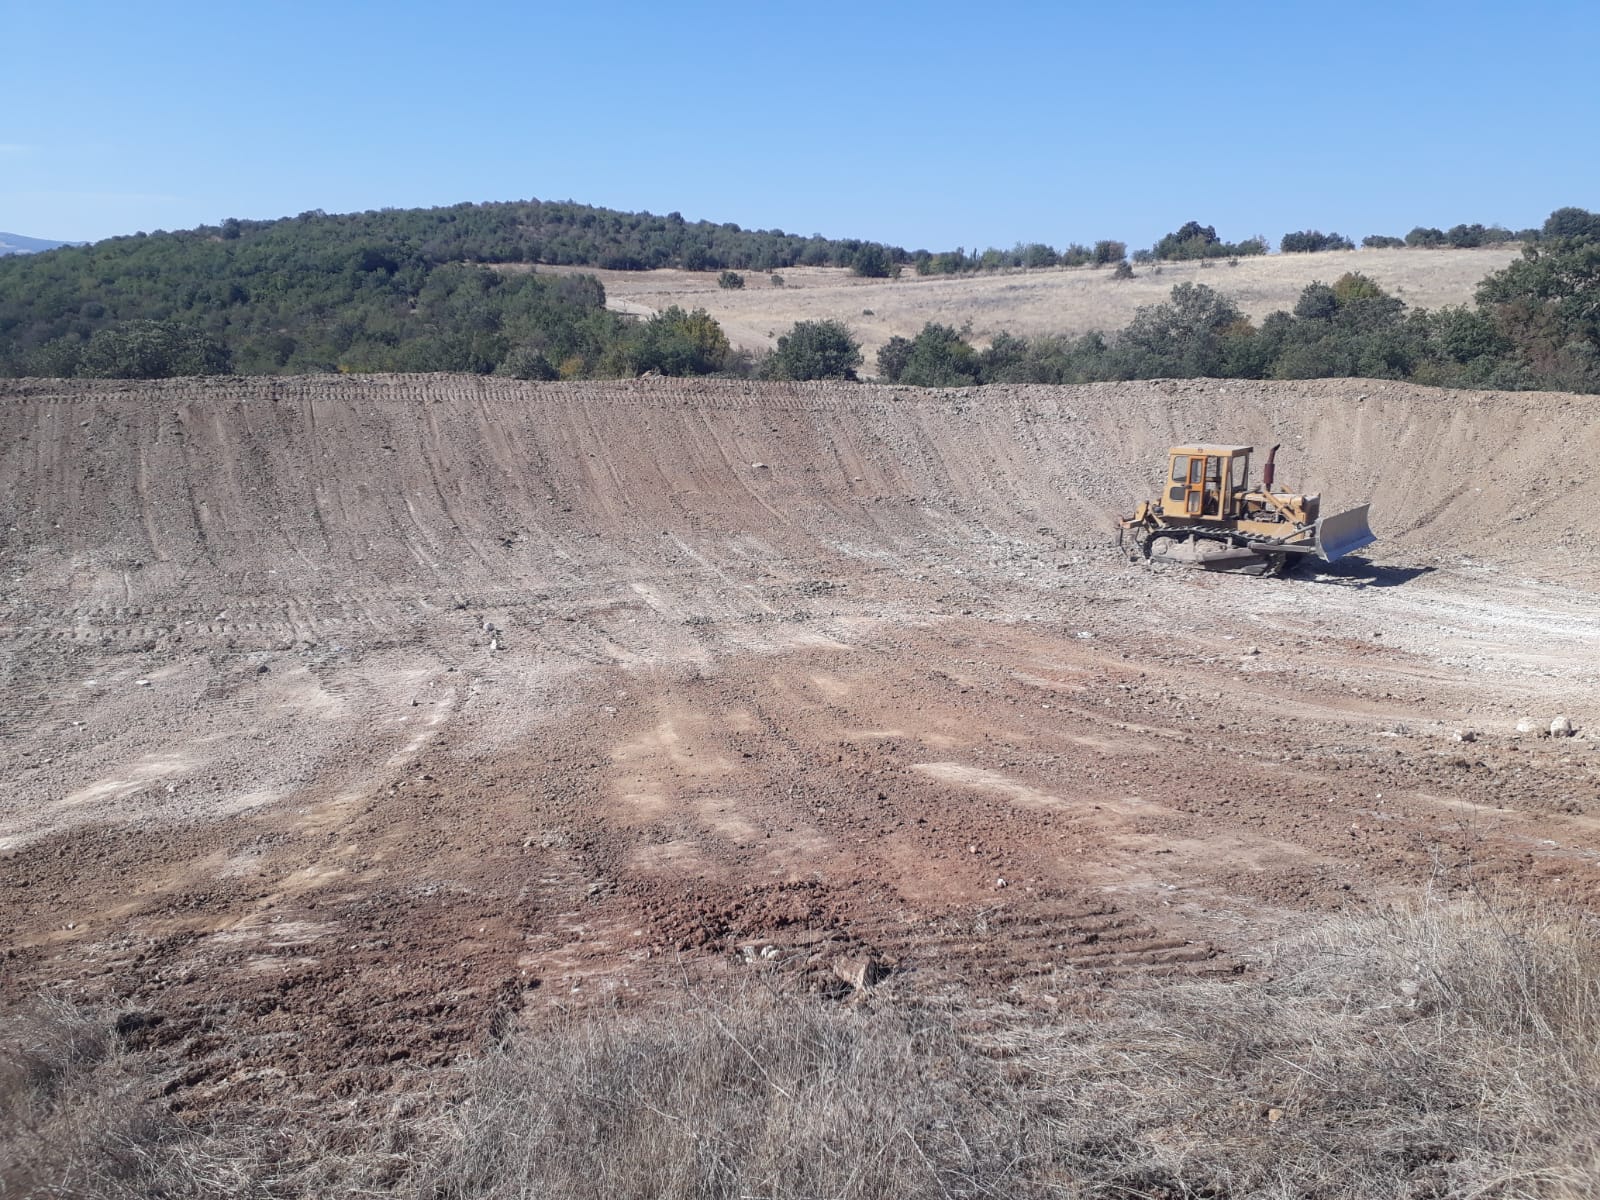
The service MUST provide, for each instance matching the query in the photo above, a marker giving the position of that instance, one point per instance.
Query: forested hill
(388, 290)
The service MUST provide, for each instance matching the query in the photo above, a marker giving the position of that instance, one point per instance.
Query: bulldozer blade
(1343, 534)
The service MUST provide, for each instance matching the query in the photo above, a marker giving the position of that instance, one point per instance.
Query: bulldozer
(1209, 516)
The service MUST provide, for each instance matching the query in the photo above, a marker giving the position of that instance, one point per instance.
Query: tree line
(1534, 324)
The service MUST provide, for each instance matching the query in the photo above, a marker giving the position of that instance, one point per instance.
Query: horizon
(911, 125)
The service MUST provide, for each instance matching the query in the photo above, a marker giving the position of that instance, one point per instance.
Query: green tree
(1107, 252)
(939, 356)
(892, 358)
(872, 261)
(1184, 337)
(1572, 223)
(1311, 241)
(814, 350)
(1547, 305)
(152, 350)
(675, 342)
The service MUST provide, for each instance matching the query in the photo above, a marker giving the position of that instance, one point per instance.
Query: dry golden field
(1053, 300)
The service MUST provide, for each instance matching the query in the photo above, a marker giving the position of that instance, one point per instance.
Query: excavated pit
(348, 720)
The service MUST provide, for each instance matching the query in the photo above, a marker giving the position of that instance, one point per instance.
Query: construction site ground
(349, 723)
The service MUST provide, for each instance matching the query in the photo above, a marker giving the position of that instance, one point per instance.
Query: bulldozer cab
(1206, 481)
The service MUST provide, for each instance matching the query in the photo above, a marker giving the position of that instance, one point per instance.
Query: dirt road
(349, 722)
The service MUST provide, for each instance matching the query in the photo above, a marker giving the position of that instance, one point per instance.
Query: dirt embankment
(348, 719)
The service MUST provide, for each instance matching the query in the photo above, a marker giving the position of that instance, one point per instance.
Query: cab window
(1180, 467)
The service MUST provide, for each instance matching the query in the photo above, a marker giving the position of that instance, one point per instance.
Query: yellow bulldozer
(1209, 516)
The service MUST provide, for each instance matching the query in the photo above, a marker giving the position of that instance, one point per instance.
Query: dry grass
(82, 1117)
(1445, 1050)
(78, 1119)
(767, 1096)
(1055, 300)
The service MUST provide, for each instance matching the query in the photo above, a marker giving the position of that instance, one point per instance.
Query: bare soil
(349, 724)
(1056, 300)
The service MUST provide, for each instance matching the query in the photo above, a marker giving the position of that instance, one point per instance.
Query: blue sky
(934, 124)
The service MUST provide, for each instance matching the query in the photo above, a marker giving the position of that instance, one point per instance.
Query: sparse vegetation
(1535, 325)
(1445, 1049)
(730, 280)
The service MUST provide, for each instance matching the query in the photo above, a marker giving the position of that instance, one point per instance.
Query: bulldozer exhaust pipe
(1269, 469)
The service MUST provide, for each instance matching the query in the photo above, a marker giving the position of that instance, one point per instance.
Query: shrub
(1194, 240)
(526, 362)
(1183, 337)
(939, 356)
(1124, 270)
(1037, 254)
(814, 350)
(776, 280)
(892, 358)
(872, 261)
(1378, 241)
(1572, 223)
(1425, 236)
(152, 350)
(730, 280)
(1311, 241)
(1108, 252)
(674, 342)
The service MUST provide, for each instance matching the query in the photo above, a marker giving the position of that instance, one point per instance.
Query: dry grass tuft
(763, 1096)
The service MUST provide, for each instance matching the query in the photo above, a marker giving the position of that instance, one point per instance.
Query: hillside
(510, 289)
(15, 243)
(1052, 300)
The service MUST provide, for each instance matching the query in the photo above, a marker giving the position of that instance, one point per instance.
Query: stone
(1466, 735)
(860, 971)
(1561, 727)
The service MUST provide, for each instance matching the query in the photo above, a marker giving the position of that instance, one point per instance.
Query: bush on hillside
(675, 342)
(814, 350)
(151, 350)
(1312, 241)
(939, 356)
(1107, 252)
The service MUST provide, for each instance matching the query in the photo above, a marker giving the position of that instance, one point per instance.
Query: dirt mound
(351, 721)
(133, 495)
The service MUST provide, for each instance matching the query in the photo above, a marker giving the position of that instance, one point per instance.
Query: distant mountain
(15, 243)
